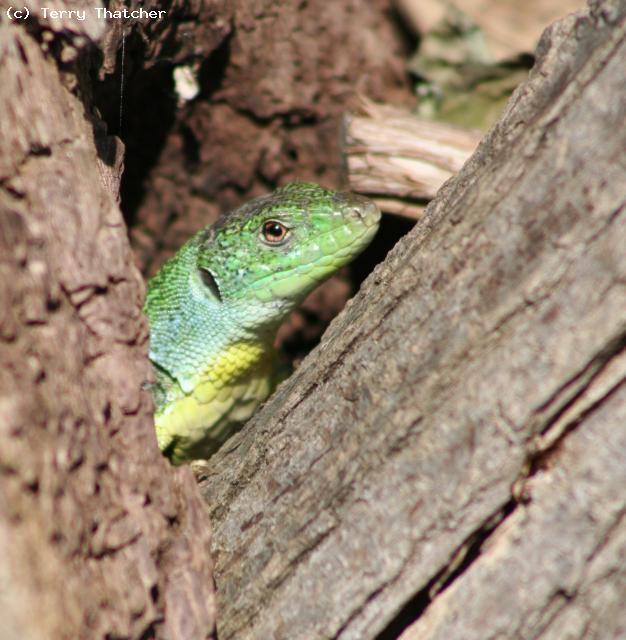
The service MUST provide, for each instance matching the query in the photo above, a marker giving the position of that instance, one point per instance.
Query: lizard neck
(208, 341)
(195, 335)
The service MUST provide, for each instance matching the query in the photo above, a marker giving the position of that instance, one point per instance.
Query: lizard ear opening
(209, 282)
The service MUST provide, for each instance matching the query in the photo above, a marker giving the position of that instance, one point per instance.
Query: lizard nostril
(366, 211)
(360, 208)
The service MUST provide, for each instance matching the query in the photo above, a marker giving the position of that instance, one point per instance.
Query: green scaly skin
(214, 308)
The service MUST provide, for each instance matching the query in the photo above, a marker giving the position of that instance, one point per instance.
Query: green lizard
(214, 308)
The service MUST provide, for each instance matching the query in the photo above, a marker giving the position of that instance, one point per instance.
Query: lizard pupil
(274, 231)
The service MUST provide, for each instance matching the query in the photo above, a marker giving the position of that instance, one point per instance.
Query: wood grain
(437, 436)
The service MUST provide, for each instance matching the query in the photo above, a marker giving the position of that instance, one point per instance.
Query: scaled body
(214, 308)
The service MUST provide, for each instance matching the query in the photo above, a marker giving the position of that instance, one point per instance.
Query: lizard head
(228, 288)
(274, 250)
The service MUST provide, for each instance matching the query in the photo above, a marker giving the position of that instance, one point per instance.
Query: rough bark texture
(101, 537)
(452, 455)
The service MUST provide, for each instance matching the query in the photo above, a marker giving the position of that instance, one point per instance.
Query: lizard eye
(274, 232)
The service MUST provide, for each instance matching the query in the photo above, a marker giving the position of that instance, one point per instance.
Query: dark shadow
(405, 36)
(392, 228)
(213, 69)
(141, 111)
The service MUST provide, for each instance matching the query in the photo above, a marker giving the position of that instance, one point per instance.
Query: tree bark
(102, 538)
(451, 458)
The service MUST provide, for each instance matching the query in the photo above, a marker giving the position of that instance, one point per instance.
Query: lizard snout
(363, 209)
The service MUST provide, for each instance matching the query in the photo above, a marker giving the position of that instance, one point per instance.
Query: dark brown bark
(101, 537)
(452, 455)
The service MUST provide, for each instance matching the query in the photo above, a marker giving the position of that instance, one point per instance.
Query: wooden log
(400, 159)
(452, 455)
(101, 537)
